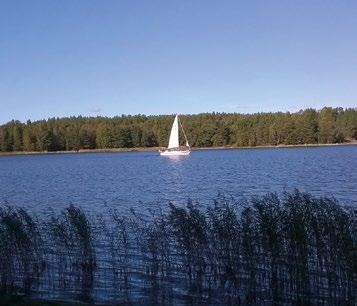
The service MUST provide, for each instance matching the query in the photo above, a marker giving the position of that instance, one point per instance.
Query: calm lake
(98, 181)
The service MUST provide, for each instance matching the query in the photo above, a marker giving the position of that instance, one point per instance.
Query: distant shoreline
(155, 149)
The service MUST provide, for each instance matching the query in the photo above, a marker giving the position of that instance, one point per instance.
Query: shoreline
(156, 149)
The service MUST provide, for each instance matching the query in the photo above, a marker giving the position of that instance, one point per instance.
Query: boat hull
(175, 153)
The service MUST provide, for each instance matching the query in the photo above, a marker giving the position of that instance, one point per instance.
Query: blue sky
(61, 58)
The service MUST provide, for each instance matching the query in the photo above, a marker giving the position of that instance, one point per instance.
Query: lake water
(97, 181)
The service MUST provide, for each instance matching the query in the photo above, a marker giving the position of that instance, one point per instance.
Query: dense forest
(310, 126)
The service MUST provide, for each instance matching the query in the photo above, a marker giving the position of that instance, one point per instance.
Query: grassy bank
(293, 249)
(116, 150)
(156, 149)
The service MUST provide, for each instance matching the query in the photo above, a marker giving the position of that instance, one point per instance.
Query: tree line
(290, 250)
(309, 126)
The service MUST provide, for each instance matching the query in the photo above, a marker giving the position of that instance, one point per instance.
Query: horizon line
(172, 114)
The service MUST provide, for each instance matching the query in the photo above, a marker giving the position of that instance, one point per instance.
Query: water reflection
(176, 158)
(176, 173)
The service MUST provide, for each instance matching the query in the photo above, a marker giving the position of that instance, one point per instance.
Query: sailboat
(173, 148)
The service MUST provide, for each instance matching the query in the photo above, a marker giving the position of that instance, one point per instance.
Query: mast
(184, 134)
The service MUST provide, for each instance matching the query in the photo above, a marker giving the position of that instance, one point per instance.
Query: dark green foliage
(329, 125)
(290, 250)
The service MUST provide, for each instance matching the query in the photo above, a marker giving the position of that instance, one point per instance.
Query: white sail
(174, 135)
(174, 147)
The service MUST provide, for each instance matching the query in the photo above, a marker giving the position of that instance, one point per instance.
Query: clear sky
(61, 58)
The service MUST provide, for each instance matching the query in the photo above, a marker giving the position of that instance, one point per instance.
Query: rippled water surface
(123, 180)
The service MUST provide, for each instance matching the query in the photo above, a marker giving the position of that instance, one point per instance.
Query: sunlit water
(97, 181)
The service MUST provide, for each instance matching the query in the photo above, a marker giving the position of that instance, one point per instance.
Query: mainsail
(174, 135)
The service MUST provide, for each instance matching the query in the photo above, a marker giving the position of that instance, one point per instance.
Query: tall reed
(21, 261)
(73, 246)
(293, 249)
